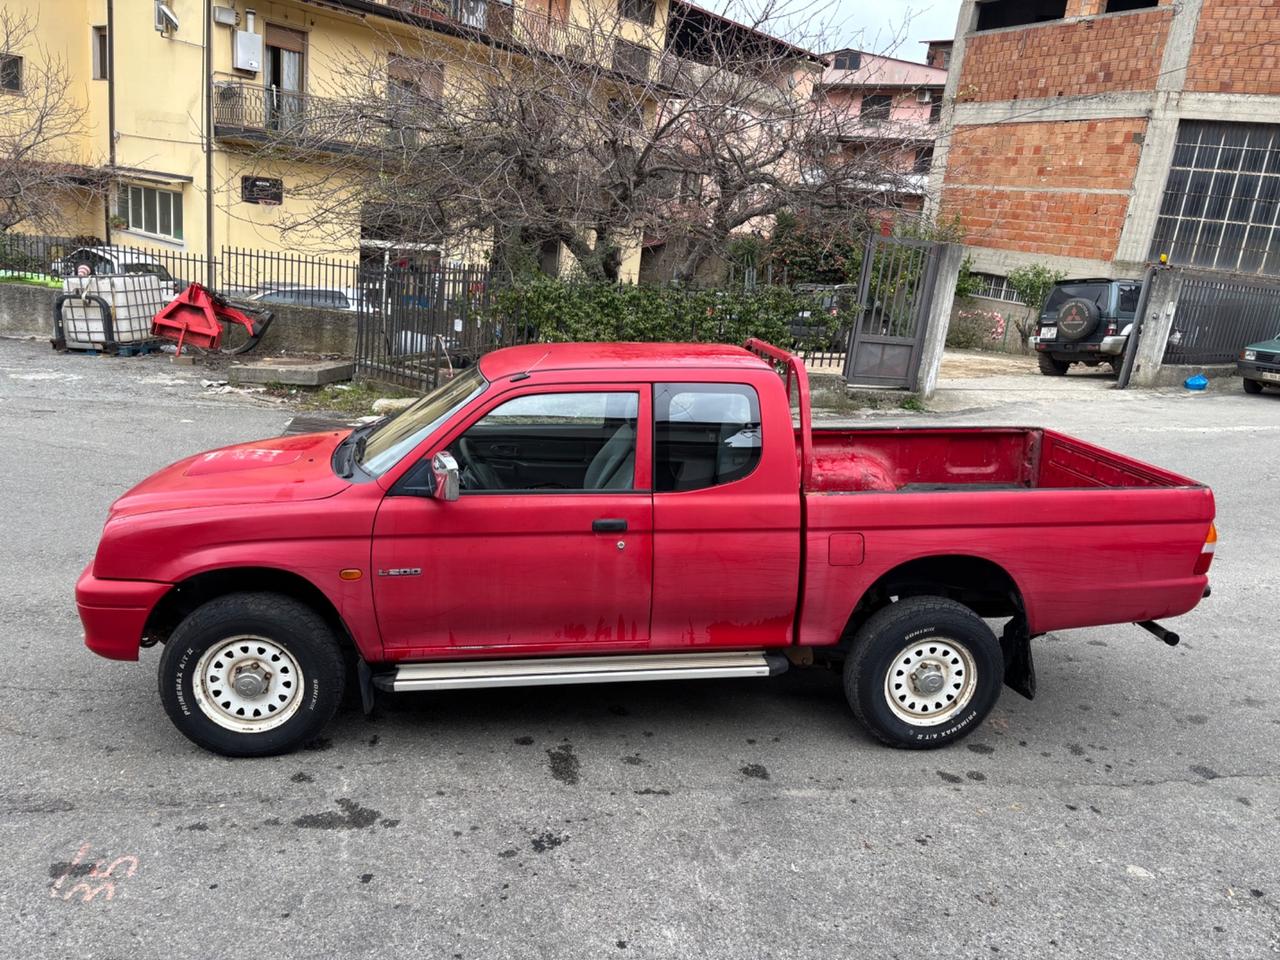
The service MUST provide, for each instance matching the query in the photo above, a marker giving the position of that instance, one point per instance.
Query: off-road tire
(932, 623)
(1252, 386)
(1052, 367)
(281, 621)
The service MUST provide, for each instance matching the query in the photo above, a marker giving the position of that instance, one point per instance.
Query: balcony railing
(540, 32)
(251, 112)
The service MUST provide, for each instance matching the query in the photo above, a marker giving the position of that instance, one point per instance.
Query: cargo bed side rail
(792, 369)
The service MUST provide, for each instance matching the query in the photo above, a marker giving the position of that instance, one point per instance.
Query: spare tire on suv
(1077, 318)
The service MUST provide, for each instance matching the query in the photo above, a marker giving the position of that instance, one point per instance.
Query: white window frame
(995, 287)
(148, 209)
(101, 52)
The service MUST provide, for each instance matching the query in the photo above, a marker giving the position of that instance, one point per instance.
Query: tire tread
(888, 620)
(269, 607)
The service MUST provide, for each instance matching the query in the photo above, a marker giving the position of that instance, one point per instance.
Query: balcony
(538, 32)
(251, 114)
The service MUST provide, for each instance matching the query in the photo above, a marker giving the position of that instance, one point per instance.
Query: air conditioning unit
(924, 96)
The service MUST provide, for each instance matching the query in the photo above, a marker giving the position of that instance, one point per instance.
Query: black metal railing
(254, 112)
(1220, 314)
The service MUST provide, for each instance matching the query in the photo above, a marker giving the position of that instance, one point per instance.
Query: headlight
(1250, 354)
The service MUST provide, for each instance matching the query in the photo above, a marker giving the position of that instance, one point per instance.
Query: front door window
(552, 442)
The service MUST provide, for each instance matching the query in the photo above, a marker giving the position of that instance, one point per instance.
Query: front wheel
(251, 675)
(1253, 386)
(923, 672)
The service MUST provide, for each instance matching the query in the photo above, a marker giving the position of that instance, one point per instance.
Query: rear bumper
(1110, 346)
(114, 613)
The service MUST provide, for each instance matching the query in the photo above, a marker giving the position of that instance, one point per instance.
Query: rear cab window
(1098, 293)
(705, 435)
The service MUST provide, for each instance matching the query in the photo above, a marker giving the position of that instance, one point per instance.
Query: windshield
(1097, 292)
(394, 439)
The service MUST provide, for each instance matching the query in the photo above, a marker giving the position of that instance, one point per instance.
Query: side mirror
(445, 470)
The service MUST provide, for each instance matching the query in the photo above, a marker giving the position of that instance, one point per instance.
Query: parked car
(837, 306)
(502, 531)
(115, 260)
(1086, 321)
(1259, 365)
(344, 299)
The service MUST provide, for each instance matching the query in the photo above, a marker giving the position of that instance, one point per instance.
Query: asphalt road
(1130, 811)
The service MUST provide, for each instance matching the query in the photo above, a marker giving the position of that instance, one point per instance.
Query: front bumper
(1252, 370)
(114, 613)
(1110, 346)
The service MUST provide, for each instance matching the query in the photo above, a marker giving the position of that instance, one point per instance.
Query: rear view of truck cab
(602, 513)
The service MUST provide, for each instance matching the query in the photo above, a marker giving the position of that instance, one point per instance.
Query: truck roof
(586, 356)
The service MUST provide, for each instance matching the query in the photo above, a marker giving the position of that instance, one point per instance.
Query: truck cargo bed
(933, 460)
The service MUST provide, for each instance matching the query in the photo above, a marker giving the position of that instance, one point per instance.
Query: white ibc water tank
(134, 300)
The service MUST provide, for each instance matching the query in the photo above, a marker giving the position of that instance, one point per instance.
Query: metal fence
(1218, 315)
(53, 258)
(415, 322)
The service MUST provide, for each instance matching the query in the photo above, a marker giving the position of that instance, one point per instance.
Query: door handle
(609, 526)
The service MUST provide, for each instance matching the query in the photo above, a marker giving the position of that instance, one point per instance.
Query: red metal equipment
(200, 317)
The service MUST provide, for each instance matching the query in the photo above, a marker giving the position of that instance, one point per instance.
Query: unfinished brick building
(1094, 135)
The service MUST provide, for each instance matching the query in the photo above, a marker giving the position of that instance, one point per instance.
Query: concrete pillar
(1166, 287)
(941, 299)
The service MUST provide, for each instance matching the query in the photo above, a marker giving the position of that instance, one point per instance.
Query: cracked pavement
(1132, 810)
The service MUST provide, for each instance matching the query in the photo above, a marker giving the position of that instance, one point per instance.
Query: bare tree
(40, 124)
(596, 135)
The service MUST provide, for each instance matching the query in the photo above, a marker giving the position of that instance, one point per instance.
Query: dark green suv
(1259, 364)
(1086, 321)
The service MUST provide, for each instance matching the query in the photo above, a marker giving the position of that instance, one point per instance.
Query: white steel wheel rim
(930, 681)
(248, 684)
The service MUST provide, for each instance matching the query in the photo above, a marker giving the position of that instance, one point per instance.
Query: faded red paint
(777, 558)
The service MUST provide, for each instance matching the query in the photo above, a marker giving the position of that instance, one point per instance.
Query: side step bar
(460, 675)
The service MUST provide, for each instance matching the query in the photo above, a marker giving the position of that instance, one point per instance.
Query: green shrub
(553, 309)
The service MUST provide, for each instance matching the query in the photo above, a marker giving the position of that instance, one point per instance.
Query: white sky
(892, 27)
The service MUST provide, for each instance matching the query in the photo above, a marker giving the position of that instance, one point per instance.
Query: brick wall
(1084, 154)
(1054, 224)
(1237, 48)
(1110, 53)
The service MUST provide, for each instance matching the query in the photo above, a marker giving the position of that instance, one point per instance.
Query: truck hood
(265, 471)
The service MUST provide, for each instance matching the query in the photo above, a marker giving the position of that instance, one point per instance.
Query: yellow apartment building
(180, 96)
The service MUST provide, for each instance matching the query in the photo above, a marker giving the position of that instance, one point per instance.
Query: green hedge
(550, 309)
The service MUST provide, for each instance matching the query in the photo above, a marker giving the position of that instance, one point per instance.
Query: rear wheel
(1051, 366)
(251, 675)
(1252, 386)
(923, 672)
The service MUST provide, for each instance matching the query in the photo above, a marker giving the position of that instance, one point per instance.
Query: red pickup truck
(585, 513)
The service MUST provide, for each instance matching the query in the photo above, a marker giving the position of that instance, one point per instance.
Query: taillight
(1111, 329)
(1206, 552)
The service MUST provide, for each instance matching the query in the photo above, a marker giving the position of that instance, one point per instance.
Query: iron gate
(414, 324)
(1219, 314)
(887, 339)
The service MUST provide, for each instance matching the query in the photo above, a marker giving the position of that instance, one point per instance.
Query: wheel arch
(186, 595)
(978, 583)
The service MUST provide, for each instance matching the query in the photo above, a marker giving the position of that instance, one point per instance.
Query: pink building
(888, 107)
